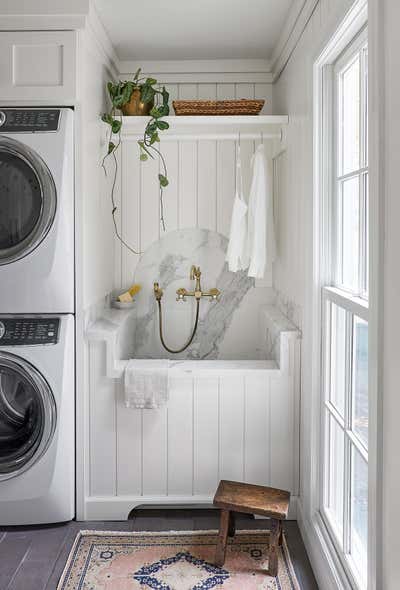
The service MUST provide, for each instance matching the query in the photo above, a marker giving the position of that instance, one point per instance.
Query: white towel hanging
(261, 247)
(236, 254)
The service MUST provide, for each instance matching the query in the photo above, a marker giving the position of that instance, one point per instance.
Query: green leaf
(163, 110)
(143, 157)
(163, 180)
(154, 138)
(111, 148)
(107, 118)
(127, 92)
(144, 147)
(116, 126)
(137, 74)
(162, 125)
(147, 94)
(151, 128)
(151, 81)
(155, 112)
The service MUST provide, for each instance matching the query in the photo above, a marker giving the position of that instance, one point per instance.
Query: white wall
(387, 12)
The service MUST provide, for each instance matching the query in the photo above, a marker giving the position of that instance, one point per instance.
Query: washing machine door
(27, 415)
(28, 200)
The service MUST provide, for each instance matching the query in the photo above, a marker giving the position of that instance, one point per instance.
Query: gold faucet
(195, 274)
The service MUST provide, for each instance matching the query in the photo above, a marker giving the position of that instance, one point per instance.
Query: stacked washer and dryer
(37, 305)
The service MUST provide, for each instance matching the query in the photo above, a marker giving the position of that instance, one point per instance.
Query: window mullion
(347, 443)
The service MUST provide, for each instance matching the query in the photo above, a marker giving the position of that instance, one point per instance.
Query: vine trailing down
(158, 99)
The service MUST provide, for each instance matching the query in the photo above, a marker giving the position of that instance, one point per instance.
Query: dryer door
(28, 200)
(27, 415)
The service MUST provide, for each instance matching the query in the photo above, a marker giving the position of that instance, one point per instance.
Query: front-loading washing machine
(37, 406)
(36, 210)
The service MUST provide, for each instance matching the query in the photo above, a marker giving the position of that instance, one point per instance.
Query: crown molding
(296, 22)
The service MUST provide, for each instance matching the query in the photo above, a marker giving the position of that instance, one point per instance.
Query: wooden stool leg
(276, 529)
(222, 538)
(231, 527)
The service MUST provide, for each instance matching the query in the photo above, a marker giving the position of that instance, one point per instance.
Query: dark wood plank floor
(32, 558)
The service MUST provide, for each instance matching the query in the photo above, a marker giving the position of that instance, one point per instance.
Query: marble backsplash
(229, 328)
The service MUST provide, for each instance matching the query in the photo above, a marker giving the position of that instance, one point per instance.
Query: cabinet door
(37, 65)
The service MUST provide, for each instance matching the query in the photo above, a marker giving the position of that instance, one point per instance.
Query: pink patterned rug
(173, 561)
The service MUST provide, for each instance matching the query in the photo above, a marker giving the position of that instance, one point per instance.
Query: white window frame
(353, 302)
(330, 568)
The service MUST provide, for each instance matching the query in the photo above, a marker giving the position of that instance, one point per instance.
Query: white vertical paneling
(207, 185)
(102, 425)
(206, 422)
(225, 91)
(257, 430)
(149, 203)
(244, 90)
(207, 91)
(180, 436)
(154, 459)
(187, 184)
(130, 209)
(187, 91)
(226, 185)
(173, 90)
(110, 164)
(170, 151)
(246, 153)
(281, 433)
(231, 427)
(129, 448)
(264, 91)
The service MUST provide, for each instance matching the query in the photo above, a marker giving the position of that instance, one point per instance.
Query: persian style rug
(173, 561)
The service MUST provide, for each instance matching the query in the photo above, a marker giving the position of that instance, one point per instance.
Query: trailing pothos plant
(158, 99)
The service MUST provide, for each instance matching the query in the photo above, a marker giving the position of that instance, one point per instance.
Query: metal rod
(206, 136)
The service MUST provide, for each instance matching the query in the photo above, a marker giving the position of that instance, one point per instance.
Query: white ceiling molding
(296, 23)
(203, 71)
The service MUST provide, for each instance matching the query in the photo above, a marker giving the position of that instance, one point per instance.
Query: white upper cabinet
(38, 66)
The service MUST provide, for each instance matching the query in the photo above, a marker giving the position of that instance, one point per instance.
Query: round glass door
(27, 415)
(27, 200)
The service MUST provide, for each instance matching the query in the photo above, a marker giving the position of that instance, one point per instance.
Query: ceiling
(193, 29)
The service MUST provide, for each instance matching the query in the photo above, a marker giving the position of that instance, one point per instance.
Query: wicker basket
(217, 107)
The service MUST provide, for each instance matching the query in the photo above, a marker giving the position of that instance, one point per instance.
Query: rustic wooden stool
(233, 496)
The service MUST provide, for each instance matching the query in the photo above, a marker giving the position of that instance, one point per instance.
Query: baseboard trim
(119, 507)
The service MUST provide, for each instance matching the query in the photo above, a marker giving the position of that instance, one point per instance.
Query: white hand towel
(261, 247)
(146, 383)
(236, 254)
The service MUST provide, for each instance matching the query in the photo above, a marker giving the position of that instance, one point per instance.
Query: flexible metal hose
(189, 342)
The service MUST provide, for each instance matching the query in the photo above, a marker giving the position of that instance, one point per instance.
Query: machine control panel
(28, 120)
(26, 331)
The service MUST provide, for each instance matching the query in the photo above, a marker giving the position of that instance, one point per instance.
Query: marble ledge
(115, 328)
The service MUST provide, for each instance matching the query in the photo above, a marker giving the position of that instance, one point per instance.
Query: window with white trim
(344, 498)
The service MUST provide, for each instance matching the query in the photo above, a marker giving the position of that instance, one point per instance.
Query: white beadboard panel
(154, 452)
(257, 429)
(130, 210)
(173, 90)
(129, 447)
(281, 433)
(207, 91)
(187, 91)
(231, 428)
(206, 436)
(187, 215)
(102, 425)
(180, 437)
(265, 91)
(225, 91)
(207, 185)
(244, 90)
(170, 151)
(226, 184)
(149, 203)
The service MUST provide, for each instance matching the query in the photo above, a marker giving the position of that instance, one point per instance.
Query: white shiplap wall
(200, 194)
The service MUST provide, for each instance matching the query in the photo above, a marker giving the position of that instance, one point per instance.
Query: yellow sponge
(127, 297)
